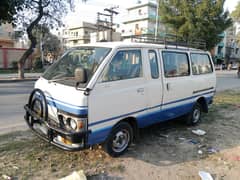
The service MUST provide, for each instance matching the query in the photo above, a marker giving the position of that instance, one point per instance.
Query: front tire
(119, 139)
(194, 117)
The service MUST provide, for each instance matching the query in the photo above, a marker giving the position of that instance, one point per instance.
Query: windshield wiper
(60, 79)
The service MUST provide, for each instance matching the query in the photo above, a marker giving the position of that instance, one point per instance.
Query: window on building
(237, 50)
(175, 64)
(219, 49)
(153, 64)
(201, 64)
(86, 32)
(139, 12)
(76, 34)
(126, 64)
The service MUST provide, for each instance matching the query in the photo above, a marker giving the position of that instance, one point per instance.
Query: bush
(15, 65)
(37, 64)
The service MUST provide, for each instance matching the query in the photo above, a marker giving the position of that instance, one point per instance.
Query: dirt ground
(168, 151)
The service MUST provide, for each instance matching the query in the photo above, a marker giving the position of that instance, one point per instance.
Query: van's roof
(122, 44)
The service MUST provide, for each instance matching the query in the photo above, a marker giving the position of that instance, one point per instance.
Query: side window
(153, 64)
(201, 64)
(126, 64)
(175, 64)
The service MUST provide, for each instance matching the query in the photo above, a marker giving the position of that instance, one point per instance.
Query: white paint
(130, 97)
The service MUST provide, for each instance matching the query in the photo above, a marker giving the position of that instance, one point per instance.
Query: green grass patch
(227, 99)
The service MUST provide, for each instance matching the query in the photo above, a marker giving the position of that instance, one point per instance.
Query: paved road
(12, 98)
(14, 95)
(227, 80)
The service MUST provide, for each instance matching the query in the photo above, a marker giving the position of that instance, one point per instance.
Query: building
(12, 38)
(220, 50)
(78, 34)
(105, 36)
(228, 49)
(142, 18)
(12, 47)
(6, 36)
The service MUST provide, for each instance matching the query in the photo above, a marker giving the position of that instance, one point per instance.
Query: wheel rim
(121, 140)
(196, 115)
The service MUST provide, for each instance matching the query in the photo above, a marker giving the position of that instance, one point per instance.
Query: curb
(17, 80)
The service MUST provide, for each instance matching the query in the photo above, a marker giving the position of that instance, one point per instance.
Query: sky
(88, 11)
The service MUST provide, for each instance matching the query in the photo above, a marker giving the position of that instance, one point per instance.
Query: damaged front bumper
(60, 137)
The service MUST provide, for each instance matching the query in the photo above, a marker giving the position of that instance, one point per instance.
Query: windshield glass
(88, 58)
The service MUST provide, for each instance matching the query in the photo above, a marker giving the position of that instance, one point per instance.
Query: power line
(105, 24)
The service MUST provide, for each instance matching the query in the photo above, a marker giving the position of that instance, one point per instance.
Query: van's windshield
(88, 58)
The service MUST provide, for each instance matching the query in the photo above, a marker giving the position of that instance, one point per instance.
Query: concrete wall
(9, 55)
(104, 35)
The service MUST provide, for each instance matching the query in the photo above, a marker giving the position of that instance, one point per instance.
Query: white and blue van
(104, 92)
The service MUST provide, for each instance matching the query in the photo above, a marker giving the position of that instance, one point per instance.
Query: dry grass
(28, 158)
(23, 156)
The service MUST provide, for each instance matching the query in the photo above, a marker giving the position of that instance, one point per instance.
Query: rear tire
(119, 139)
(194, 117)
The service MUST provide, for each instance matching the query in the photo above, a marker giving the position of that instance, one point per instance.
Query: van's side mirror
(80, 75)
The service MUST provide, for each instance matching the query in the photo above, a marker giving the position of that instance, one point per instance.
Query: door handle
(140, 90)
(168, 86)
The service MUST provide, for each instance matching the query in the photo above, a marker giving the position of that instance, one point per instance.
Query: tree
(195, 19)
(236, 13)
(9, 9)
(50, 42)
(37, 12)
(52, 45)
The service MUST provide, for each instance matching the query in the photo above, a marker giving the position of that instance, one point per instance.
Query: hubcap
(196, 115)
(121, 141)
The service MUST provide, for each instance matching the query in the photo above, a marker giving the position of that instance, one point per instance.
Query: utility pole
(109, 24)
(112, 12)
(156, 25)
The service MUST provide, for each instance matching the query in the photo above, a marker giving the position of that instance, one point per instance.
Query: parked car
(234, 67)
(104, 92)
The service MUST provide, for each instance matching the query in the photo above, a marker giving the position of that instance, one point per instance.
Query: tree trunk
(33, 40)
(22, 61)
(20, 70)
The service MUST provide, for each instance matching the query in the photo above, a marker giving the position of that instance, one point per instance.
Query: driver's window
(126, 64)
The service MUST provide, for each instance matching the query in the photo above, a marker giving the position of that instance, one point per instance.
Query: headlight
(72, 123)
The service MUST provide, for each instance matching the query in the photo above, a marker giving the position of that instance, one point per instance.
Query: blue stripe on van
(99, 135)
(76, 110)
(144, 120)
(163, 114)
(172, 102)
(61, 102)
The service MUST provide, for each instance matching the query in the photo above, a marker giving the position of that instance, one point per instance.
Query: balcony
(219, 56)
(134, 18)
(222, 35)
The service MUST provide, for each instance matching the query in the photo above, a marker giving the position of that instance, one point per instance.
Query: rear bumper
(53, 134)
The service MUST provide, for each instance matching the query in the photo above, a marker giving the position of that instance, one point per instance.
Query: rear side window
(126, 64)
(176, 64)
(153, 64)
(201, 64)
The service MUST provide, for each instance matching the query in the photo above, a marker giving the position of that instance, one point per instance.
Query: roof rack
(168, 40)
